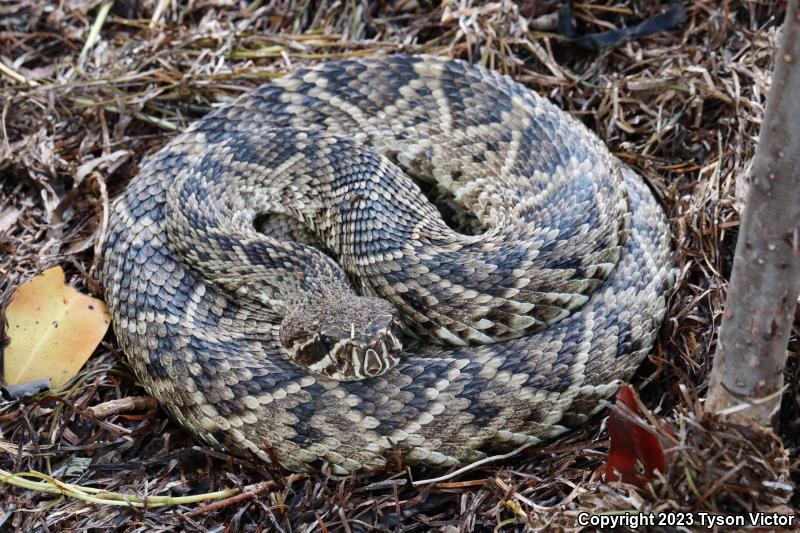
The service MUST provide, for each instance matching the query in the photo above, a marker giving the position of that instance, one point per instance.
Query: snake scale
(393, 254)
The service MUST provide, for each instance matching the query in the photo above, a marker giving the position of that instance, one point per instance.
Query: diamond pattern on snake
(282, 280)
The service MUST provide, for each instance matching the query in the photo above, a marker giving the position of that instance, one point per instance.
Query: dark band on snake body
(519, 329)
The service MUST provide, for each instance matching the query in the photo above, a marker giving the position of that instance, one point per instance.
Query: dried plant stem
(253, 492)
(757, 322)
(94, 32)
(100, 496)
(16, 76)
(123, 405)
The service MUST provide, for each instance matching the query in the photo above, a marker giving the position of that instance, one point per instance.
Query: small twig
(248, 494)
(4, 131)
(101, 234)
(463, 484)
(385, 484)
(140, 116)
(101, 496)
(721, 481)
(476, 464)
(123, 405)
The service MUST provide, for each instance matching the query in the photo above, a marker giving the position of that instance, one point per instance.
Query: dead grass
(77, 117)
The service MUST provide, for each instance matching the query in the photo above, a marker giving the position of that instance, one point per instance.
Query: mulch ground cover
(89, 88)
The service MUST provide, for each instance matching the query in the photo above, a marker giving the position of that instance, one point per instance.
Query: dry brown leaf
(53, 329)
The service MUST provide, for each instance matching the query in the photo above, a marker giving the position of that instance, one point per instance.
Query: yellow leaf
(53, 330)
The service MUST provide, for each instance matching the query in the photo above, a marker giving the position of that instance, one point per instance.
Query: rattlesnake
(504, 324)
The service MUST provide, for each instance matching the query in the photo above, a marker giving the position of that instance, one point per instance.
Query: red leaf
(634, 453)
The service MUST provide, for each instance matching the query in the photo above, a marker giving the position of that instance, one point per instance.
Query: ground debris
(79, 115)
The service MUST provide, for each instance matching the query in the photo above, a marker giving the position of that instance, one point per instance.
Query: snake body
(518, 314)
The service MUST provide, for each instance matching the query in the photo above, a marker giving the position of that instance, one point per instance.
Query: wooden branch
(123, 405)
(747, 377)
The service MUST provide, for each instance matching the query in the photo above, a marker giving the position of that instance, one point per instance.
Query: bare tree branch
(760, 306)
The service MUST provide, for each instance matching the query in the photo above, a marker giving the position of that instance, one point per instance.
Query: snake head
(346, 338)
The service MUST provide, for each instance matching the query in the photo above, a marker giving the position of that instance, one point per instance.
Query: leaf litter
(79, 114)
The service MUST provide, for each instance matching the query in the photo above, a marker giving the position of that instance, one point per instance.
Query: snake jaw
(346, 361)
(346, 338)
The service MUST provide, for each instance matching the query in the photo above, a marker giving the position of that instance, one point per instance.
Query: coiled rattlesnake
(516, 323)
